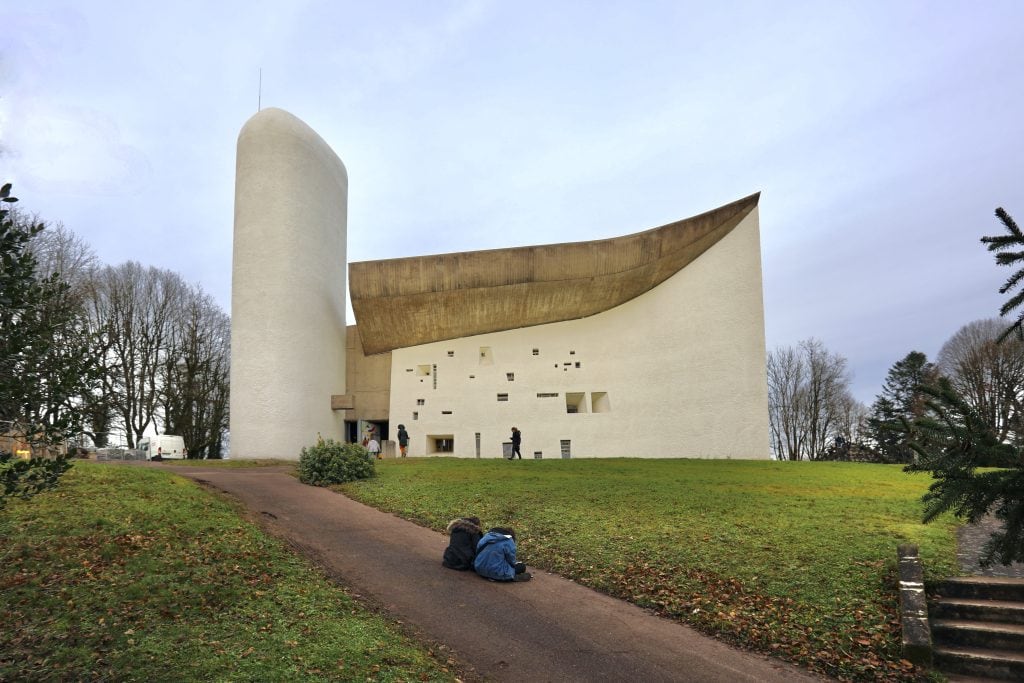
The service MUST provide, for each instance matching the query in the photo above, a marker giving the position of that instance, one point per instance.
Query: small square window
(446, 412)
(577, 363)
(536, 352)
(510, 376)
(420, 401)
(502, 397)
(451, 354)
(415, 416)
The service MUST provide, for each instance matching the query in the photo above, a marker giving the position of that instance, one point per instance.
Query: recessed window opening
(440, 443)
(537, 455)
(415, 415)
(510, 376)
(575, 402)
(566, 448)
(554, 395)
(600, 402)
(446, 412)
(502, 397)
(420, 401)
(451, 354)
(478, 444)
(435, 376)
(409, 370)
(536, 352)
(572, 353)
(577, 363)
(472, 376)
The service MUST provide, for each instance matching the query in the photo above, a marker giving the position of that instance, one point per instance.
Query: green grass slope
(132, 574)
(794, 559)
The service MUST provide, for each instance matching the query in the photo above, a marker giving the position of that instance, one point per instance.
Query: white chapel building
(647, 345)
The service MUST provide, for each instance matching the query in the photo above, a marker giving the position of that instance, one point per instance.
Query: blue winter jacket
(496, 557)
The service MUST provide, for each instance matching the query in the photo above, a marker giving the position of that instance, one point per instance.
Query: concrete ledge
(343, 402)
(917, 634)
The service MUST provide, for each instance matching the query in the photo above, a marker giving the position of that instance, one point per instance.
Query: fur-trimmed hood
(463, 524)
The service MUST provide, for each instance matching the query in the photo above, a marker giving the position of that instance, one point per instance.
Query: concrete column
(288, 288)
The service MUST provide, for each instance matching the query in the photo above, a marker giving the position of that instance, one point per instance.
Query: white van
(162, 446)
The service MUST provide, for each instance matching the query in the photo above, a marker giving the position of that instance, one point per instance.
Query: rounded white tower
(287, 288)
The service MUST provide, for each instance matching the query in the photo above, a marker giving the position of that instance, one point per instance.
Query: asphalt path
(547, 629)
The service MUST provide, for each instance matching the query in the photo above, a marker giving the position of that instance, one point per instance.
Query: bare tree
(786, 378)
(809, 401)
(989, 375)
(136, 307)
(59, 250)
(195, 376)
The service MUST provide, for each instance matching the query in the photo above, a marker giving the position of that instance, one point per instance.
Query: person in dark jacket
(496, 557)
(463, 535)
(517, 438)
(403, 440)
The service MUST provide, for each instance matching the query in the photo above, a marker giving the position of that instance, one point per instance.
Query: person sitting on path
(496, 557)
(463, 535)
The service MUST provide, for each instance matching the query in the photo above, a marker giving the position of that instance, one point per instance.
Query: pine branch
(1013, 302)
(1007, 220)
(1012, 281)
(1008, 258)
(1000, 242)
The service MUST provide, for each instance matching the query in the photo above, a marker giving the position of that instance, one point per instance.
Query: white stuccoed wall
(288, 288)
(683, 366)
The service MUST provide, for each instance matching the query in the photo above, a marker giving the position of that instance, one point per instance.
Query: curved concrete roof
(410, 301)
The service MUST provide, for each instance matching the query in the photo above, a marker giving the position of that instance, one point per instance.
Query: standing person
(517, 438)
(496, 557)
(374, 448)
(464, 534)
(403, 443)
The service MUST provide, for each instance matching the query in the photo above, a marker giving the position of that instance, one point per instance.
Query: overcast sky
(882, 136)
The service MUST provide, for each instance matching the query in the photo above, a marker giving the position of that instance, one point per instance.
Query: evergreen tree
(953, 441)
(901, 399)
(1009, 250)
(956, 441)
(46, 362)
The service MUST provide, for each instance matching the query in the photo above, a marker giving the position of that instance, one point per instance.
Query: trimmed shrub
(331, 462)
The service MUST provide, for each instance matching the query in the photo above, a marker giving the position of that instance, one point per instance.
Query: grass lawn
(795, 559)
(133, 574)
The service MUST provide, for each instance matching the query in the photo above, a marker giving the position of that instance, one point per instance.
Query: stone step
(994, 664)
(978, 610)
(981, 634)
(983, 587)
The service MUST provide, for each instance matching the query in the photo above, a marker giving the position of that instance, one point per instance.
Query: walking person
(374, 448)
(517, 439)
(403, 440)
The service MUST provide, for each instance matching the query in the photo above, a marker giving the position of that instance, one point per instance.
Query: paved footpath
(548, 629)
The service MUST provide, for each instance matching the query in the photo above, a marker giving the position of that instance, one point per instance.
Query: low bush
(20, 478)
(331, 462)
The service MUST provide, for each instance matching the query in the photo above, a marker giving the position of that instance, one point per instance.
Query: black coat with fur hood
(464, 534)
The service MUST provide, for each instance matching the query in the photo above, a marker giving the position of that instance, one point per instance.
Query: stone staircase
(977, 627)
